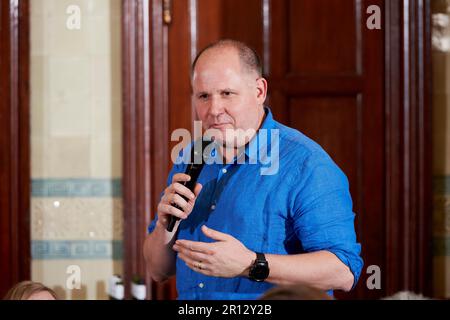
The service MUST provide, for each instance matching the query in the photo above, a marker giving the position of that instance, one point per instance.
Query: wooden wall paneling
(370, 223)
(181, 113)
(322, 86)
(14, 144)
(408, 146)
(160, 124)
(145, 131)
(231, 19)
(322, 37)
(140, 148)
(179, 37)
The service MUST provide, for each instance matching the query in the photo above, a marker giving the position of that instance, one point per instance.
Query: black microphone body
(193, 170)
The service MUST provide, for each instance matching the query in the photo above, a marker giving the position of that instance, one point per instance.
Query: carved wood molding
(408, 146)
(14, 143)
(145, 133)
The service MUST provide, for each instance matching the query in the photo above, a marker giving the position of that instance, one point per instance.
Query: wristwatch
(259, 271)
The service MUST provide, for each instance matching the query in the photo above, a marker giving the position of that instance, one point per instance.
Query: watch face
(260, 272)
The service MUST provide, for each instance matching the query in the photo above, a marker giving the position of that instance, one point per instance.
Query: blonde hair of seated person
(30, 290)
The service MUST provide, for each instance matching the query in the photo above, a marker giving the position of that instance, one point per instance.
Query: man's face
(225, 95)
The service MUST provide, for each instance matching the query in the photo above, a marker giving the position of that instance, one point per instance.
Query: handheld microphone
(193, 170)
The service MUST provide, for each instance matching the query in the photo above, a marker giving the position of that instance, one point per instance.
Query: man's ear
(261, 90)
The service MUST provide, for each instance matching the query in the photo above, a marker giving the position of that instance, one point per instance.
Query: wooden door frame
(408, 198)
(408, 146)
(145, 129)
(14, 143)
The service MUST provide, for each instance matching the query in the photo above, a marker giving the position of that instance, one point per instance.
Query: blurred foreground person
(29, 290)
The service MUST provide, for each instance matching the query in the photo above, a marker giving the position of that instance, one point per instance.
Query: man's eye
(203, 96)
(226, 93)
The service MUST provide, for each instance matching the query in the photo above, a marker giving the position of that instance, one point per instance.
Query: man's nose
(216, 106)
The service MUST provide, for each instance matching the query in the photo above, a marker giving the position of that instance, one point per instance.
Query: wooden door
(326, 71)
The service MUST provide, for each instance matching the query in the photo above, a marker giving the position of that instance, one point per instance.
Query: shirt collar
(262, 138)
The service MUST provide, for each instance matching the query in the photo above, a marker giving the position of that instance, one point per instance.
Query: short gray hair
(250, 60)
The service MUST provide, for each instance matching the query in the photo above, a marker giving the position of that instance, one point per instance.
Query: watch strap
(260, 257)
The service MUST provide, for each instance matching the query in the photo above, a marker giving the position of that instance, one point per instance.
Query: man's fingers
(197, 189)
(194, 264)
(180, 189)
(214, 234)
(186, 258)
(177, 199)
(180, 177)
(194, 255)
(204, 247)
(171, 210)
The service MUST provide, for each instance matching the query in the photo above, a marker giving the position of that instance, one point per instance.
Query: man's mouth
(219, 125)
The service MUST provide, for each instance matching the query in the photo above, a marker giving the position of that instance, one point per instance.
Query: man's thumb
(197, 189)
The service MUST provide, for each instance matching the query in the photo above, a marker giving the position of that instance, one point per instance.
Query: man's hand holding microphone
(177, 201)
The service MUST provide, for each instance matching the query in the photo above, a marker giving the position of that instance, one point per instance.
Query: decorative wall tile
(93, 188)
(76, 249)
(65, 42)
(70, 96)
(41, 8)
(101, 162)
(60, 157)
(38, 163)
(39, 96)
(99, 42)
(76, 218)
(69, 157)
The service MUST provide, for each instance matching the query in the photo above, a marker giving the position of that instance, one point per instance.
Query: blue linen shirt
(301, 204)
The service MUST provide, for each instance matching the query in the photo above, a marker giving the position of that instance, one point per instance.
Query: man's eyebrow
(227, 89)
(199, 93)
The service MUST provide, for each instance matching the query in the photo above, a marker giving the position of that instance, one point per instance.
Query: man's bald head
(249, 59)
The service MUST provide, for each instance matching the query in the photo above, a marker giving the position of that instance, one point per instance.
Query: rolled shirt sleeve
(322, 213)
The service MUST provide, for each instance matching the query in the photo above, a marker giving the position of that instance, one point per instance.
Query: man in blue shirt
(277, 210)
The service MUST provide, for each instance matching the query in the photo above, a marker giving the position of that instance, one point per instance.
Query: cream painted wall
(76, 144)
